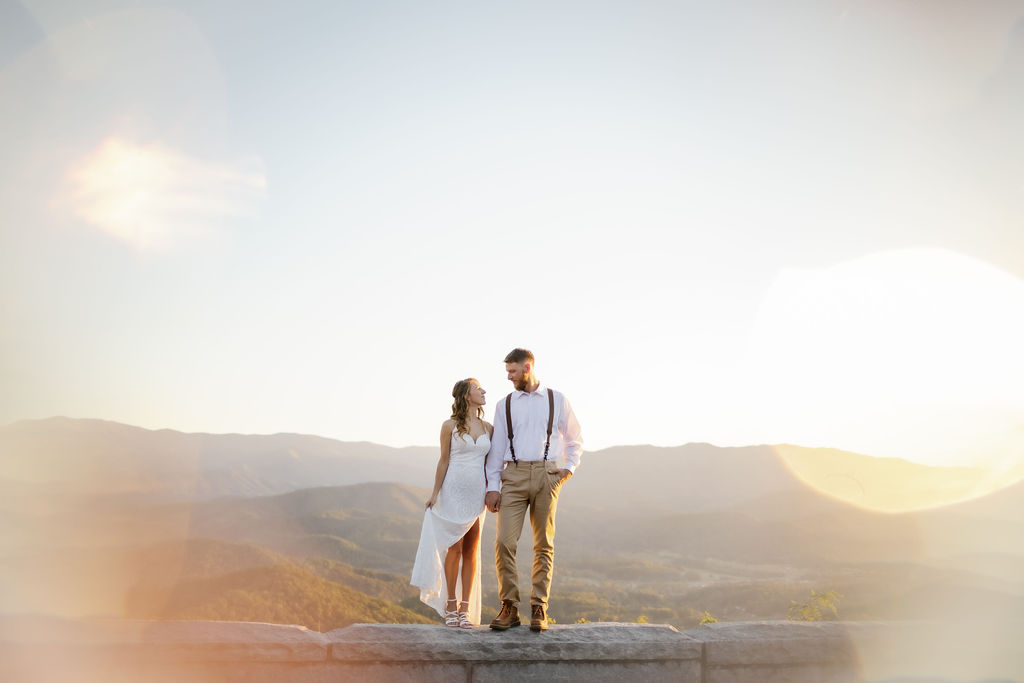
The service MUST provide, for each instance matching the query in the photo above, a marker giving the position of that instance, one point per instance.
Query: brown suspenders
(508, 422)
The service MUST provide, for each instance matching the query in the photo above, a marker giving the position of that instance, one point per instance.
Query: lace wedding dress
(460, 503)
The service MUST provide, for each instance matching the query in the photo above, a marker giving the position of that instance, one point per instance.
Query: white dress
(460, 503)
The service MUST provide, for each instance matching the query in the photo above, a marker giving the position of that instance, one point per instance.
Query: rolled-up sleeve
(499, 444)
(572, 436)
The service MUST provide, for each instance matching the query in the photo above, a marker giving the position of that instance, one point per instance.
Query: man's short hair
(519, 356)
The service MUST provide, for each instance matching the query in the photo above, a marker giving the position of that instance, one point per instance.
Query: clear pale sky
(734, 222)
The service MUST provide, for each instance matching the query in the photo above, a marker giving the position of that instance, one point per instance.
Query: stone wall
(52, 650)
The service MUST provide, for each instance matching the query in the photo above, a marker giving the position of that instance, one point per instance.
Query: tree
(815, 609)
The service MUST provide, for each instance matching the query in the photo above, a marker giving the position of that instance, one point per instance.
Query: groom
(535, 448)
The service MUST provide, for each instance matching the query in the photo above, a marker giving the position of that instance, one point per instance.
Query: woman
(455, 511)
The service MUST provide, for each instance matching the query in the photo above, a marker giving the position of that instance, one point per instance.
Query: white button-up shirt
(529, 429)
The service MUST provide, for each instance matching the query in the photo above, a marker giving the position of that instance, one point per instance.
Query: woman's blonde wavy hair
(460, 409)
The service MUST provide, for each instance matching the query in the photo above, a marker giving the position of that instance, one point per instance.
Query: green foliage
(414, 605)
(817, 608)
(356, 539)
(280, 594)
(391, 587)
(199, 558)
(707, 619)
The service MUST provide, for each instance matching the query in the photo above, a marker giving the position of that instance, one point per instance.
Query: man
(526, 469)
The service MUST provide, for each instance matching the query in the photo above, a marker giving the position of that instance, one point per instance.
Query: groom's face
(517, 374)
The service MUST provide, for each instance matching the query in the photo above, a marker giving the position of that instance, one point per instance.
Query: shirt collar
(541, 390)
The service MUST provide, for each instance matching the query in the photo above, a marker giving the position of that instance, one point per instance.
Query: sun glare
(912, 354)
(152, 196)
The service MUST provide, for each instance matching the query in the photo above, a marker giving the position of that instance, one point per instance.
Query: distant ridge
(89, 457)
(96, 457)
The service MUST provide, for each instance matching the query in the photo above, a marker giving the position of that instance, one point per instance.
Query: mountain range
(112, 519)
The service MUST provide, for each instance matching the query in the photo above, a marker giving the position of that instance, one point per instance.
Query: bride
(454, 514)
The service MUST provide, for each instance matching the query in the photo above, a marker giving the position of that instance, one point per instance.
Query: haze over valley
(108, 519)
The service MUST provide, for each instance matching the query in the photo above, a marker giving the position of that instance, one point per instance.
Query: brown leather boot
(538, 620)
(507, 617)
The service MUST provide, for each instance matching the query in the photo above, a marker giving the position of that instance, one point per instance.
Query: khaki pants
(527, 485)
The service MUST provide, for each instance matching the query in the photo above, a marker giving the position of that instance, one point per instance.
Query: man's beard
(520, 384)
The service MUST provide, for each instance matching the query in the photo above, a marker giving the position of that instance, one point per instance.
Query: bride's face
(477, 395)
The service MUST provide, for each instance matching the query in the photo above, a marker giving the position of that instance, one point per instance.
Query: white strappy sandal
(464, 621)
(451, 617)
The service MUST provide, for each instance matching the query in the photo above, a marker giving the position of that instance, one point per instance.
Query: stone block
(424, 672)
(179, 641)
(593, 642)
(668, 671)
(782, 674)
(775, 643)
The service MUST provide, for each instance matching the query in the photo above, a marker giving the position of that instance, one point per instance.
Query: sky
(732, 222)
